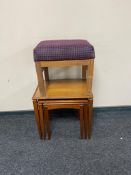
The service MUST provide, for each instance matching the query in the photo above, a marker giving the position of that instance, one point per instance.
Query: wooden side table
(43, 105)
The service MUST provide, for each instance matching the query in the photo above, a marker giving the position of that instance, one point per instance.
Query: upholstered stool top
(58, 50)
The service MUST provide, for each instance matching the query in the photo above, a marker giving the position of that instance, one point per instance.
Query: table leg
(47, 118)
(90, 110)
(81, 122)
(37, 116)
(85, 120)
(42, 121)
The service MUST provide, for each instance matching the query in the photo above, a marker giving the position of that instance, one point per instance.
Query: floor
(107, 153)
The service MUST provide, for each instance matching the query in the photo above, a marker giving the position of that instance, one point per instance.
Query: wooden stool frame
(87, 71)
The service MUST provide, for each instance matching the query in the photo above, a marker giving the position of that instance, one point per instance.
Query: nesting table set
(66, 93)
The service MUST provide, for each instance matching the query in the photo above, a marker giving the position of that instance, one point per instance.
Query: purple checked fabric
(58, 50)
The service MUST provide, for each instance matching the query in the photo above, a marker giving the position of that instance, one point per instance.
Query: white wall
(105, 23)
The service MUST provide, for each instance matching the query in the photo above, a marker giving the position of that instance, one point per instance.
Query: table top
(65, 89)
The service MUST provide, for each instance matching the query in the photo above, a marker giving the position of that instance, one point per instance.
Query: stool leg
(90, 110)
(46, 72)
(47, 122)
(84, 69)
(41, 81)
(42, 121)
(89, 77)
(37, 116)
(85, 120)
(81, 122)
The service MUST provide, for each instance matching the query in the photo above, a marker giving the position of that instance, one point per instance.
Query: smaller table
(43, 105)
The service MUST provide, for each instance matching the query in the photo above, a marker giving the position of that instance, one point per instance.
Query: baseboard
(95, 109)
(112, 108)
(19, 112)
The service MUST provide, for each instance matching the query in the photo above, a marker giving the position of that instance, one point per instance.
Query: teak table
(64, 94)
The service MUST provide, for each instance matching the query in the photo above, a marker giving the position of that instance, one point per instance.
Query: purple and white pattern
(58, 50)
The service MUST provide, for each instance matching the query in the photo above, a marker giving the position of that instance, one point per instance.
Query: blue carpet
(107, 153)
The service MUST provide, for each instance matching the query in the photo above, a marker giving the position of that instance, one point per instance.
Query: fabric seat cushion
(58, 50)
